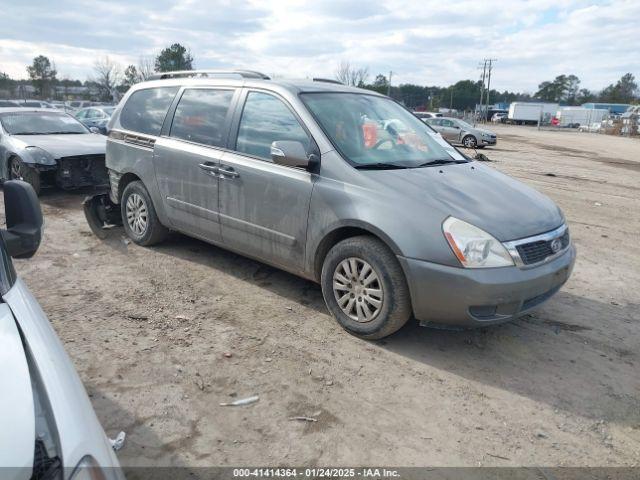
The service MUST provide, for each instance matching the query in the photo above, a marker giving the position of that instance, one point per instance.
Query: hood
(482, 130)
(66, 145)
(477, 194)
(17, 435)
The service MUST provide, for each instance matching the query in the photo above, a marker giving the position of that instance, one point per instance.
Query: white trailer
(531, 113)
(577, 116)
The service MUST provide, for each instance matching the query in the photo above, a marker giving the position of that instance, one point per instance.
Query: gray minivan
(339, 185)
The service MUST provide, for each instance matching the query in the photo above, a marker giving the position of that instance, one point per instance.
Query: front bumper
(464, 297)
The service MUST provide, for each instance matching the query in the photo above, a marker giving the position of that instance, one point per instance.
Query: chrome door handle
(229, 172)
(209, 168)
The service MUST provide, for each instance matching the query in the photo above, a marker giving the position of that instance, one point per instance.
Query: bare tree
(350, 75)
(108, 77)
(145, 67)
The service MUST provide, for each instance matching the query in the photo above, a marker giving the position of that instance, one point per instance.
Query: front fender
(387, 215)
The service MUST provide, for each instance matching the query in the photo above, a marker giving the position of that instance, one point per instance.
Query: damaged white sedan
(49, 147)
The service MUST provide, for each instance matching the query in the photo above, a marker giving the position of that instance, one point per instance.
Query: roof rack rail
(327, 80)
(209, 73)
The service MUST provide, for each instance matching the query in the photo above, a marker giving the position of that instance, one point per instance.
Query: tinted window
(447, 123)
(266, 119)
(145, 110)
(200, 116)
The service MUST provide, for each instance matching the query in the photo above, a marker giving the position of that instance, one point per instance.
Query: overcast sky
(429, 42)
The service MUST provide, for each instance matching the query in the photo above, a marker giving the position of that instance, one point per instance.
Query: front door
(450, 131)
(263, 206)
(188, 158)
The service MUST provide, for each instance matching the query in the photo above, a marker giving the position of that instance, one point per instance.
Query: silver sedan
(460, 132)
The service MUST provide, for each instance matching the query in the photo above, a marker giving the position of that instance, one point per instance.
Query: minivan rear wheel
(139, 216)
(364, 288)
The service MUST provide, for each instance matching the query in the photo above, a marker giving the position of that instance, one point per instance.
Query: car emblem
(556, 245)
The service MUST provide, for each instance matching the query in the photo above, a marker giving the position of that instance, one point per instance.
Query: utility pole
(491, 60)
(389, 84)
(484, 73)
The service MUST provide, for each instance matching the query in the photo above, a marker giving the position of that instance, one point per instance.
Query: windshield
(374, 131)
(464, 124)
(108, 110)
(40, 123)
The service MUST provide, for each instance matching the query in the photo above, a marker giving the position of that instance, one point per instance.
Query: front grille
(540, 250)
(82, 171)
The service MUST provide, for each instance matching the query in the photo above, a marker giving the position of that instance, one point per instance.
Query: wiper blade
(63, 133)
(29, 133)
(442, 161)
(379, 166)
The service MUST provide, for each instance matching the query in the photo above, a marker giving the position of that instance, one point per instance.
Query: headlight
(474, 247)
(40, 156)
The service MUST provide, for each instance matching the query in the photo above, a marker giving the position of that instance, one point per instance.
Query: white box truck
(529, 113)
(580, 116)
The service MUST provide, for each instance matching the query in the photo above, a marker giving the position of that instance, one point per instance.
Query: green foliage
(42, 74)
(624, 90)
(462, 95)
(174, 58)
(131, 76)
(564, 88)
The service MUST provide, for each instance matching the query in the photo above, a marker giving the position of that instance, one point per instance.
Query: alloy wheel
(137, 214)
(358, 289)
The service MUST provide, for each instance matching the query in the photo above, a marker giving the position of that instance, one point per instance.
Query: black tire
(469, 141)
(153, 231)
(18, 170)
(395, 307)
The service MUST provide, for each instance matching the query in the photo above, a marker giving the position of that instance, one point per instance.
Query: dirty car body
(49, 428)
(354, 184)
(52, 147)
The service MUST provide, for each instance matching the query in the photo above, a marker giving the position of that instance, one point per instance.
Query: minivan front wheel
(139, 216)
(364, 288)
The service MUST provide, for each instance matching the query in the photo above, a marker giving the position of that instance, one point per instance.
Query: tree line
(110, 80)
(464, 94)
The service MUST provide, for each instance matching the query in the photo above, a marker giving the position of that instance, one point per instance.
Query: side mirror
(24, 219)
(94, 129)
(290, 153)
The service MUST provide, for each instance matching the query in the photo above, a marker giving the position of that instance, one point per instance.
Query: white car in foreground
(49, 429)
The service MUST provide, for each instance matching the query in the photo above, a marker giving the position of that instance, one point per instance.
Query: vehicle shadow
(575, 354)
(144, 455)
(66, 199)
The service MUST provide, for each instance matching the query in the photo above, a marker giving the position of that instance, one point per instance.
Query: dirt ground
(149, 328)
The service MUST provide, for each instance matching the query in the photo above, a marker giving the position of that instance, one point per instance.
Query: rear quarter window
(145, 110)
